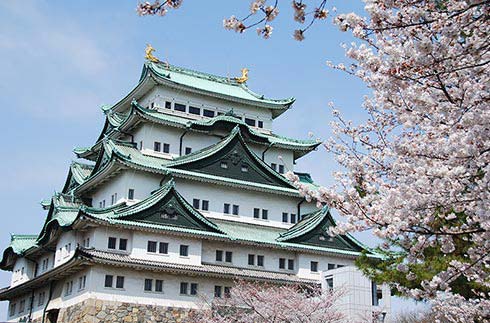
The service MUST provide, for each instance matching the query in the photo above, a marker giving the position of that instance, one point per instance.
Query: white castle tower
(182, 193)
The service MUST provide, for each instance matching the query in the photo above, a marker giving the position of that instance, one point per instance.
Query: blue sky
(61, 60)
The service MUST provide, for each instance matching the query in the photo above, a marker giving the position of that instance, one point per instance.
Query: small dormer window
(224, 165)
(188, 150)
(194, 110)
(208, 113)
(179, 107)
(157, 146)
(250, 122)
(245, 168)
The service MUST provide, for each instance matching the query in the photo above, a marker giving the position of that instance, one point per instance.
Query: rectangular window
(111, 244)
(244, 168)
(151, 246)
(374, 294)
(123, 244)
(227, 291)
(291, 264)
(148, 285)
(12, 309)
(293, 218)
(183, 288)
(223, 165)
(208, 113)
(236, 209)
(157, 146)
(131, 194)
(282, 263)
(260, 124)
(112, 199)
(250, 122)
(40, 300)
(256, 213)
(281, 169)
(188, 150)
(108, 280)
(205, 205)
(329, 281)
(184, 250)
(194, 289)
(194, 110)
(285, 217)
(168, 105)
(83, 282)
(196, 203)
(274, 166)
(217, 291)
(219, 255)
(141, 145)
(330, 266)
(314, 266)
(179, 107)
(228, 256)
(166, 148)
(265, 214)
(226, 208)
(120, 282)
(67, 289)
(22, 306)
(163, 248)
(251, 260)
(260, 260)
(159, 285)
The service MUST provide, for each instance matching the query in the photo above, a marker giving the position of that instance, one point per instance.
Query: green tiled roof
(126, 154)
(64, 211)
(211, 84)
(21, 242)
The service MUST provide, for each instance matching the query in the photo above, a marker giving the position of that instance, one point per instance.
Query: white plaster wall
(140, 242)
(240, 256)
(143, 184)
(134, 292)
(69, 238)
(100, 238)
(217, 195)
(37, 310)
(23, 271)
(272, 156)
(305, 259)
(151, 133)
(160, 94)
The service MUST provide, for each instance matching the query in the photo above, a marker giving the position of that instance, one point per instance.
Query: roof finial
(149, 54)
(244, 77)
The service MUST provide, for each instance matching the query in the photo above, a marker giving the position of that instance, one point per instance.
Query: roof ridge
(193, 72)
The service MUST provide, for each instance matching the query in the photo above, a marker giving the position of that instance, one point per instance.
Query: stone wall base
(98, 311)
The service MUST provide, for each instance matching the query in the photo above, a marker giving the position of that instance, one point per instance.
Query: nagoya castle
(182, 193)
